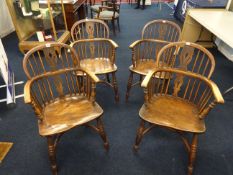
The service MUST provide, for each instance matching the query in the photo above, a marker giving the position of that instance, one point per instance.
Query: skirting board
(4, 149)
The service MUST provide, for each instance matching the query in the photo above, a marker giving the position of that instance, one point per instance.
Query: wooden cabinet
(74, 12)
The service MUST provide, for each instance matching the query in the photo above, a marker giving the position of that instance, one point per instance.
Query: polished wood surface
(4, 149)
(98, 56)
(180, 103)
(89, 29)
(49, 57)
(144, 56)
(187, 56)
(155, 35)
(61, 101)
(161, 30)
(74, 12)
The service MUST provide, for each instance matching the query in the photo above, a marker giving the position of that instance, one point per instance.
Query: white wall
(6, 25)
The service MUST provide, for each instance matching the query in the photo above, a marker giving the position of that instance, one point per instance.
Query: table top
(58, 1)
(217, 21)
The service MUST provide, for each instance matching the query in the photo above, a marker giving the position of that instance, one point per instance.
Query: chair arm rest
(115, 45)
(92, 75)
(146, 80)
(216, 92)
(146, 40)
(27, 93)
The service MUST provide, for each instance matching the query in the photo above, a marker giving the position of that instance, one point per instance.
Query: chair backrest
(161, 30)
(187, 56)
(100, 48)
(49, 57)
(146, 50)
(52, 87)
(89, 29)
(182, 85)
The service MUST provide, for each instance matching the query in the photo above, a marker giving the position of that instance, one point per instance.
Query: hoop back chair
(61, 101)
(187, 56)
(89, 29)
(98, 56)
(96, 7)
(110, 12)
(180, 104)
(49, 57)
(161, 30)
(144, 55)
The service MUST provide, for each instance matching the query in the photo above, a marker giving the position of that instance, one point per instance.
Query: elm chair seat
(98, 65)
(173, 115)
(61, 116)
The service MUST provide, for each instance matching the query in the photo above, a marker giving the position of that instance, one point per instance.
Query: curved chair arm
(135, 43)
(113, 43)
(27, 94)
(214, 89)
(27, 87)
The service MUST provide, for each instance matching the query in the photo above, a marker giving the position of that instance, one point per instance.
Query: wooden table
(201, 25)
(74, 9)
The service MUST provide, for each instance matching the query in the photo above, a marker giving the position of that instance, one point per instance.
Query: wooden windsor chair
(110, 12)
(144, 55)
(161, 30)
(180, 104)
(61, 101)
(95, 7)
(89, 29)
(98, 56)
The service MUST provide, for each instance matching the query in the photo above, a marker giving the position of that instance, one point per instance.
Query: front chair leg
(115, 87)
(108, 78)
(102, 133)
(52, 154)
(139, 135)
(192, 154)
(129, 85)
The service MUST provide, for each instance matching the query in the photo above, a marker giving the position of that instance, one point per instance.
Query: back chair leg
(129, 85)
(139, 135)
(115, 87)
(52, 154)
(118, 23)
(102, 133)
(113, 26)
(192, 154)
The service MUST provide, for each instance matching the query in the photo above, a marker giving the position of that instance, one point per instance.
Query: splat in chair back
(49, 57)
(161, 30)
(188, 57)
(89, 29)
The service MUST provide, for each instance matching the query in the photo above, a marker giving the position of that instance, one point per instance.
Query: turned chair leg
(118, 24)
(108, 78)
(102, 133)
(192, 154)
(139, 135)
(115, 87)
(129, 85)
(52, 154)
